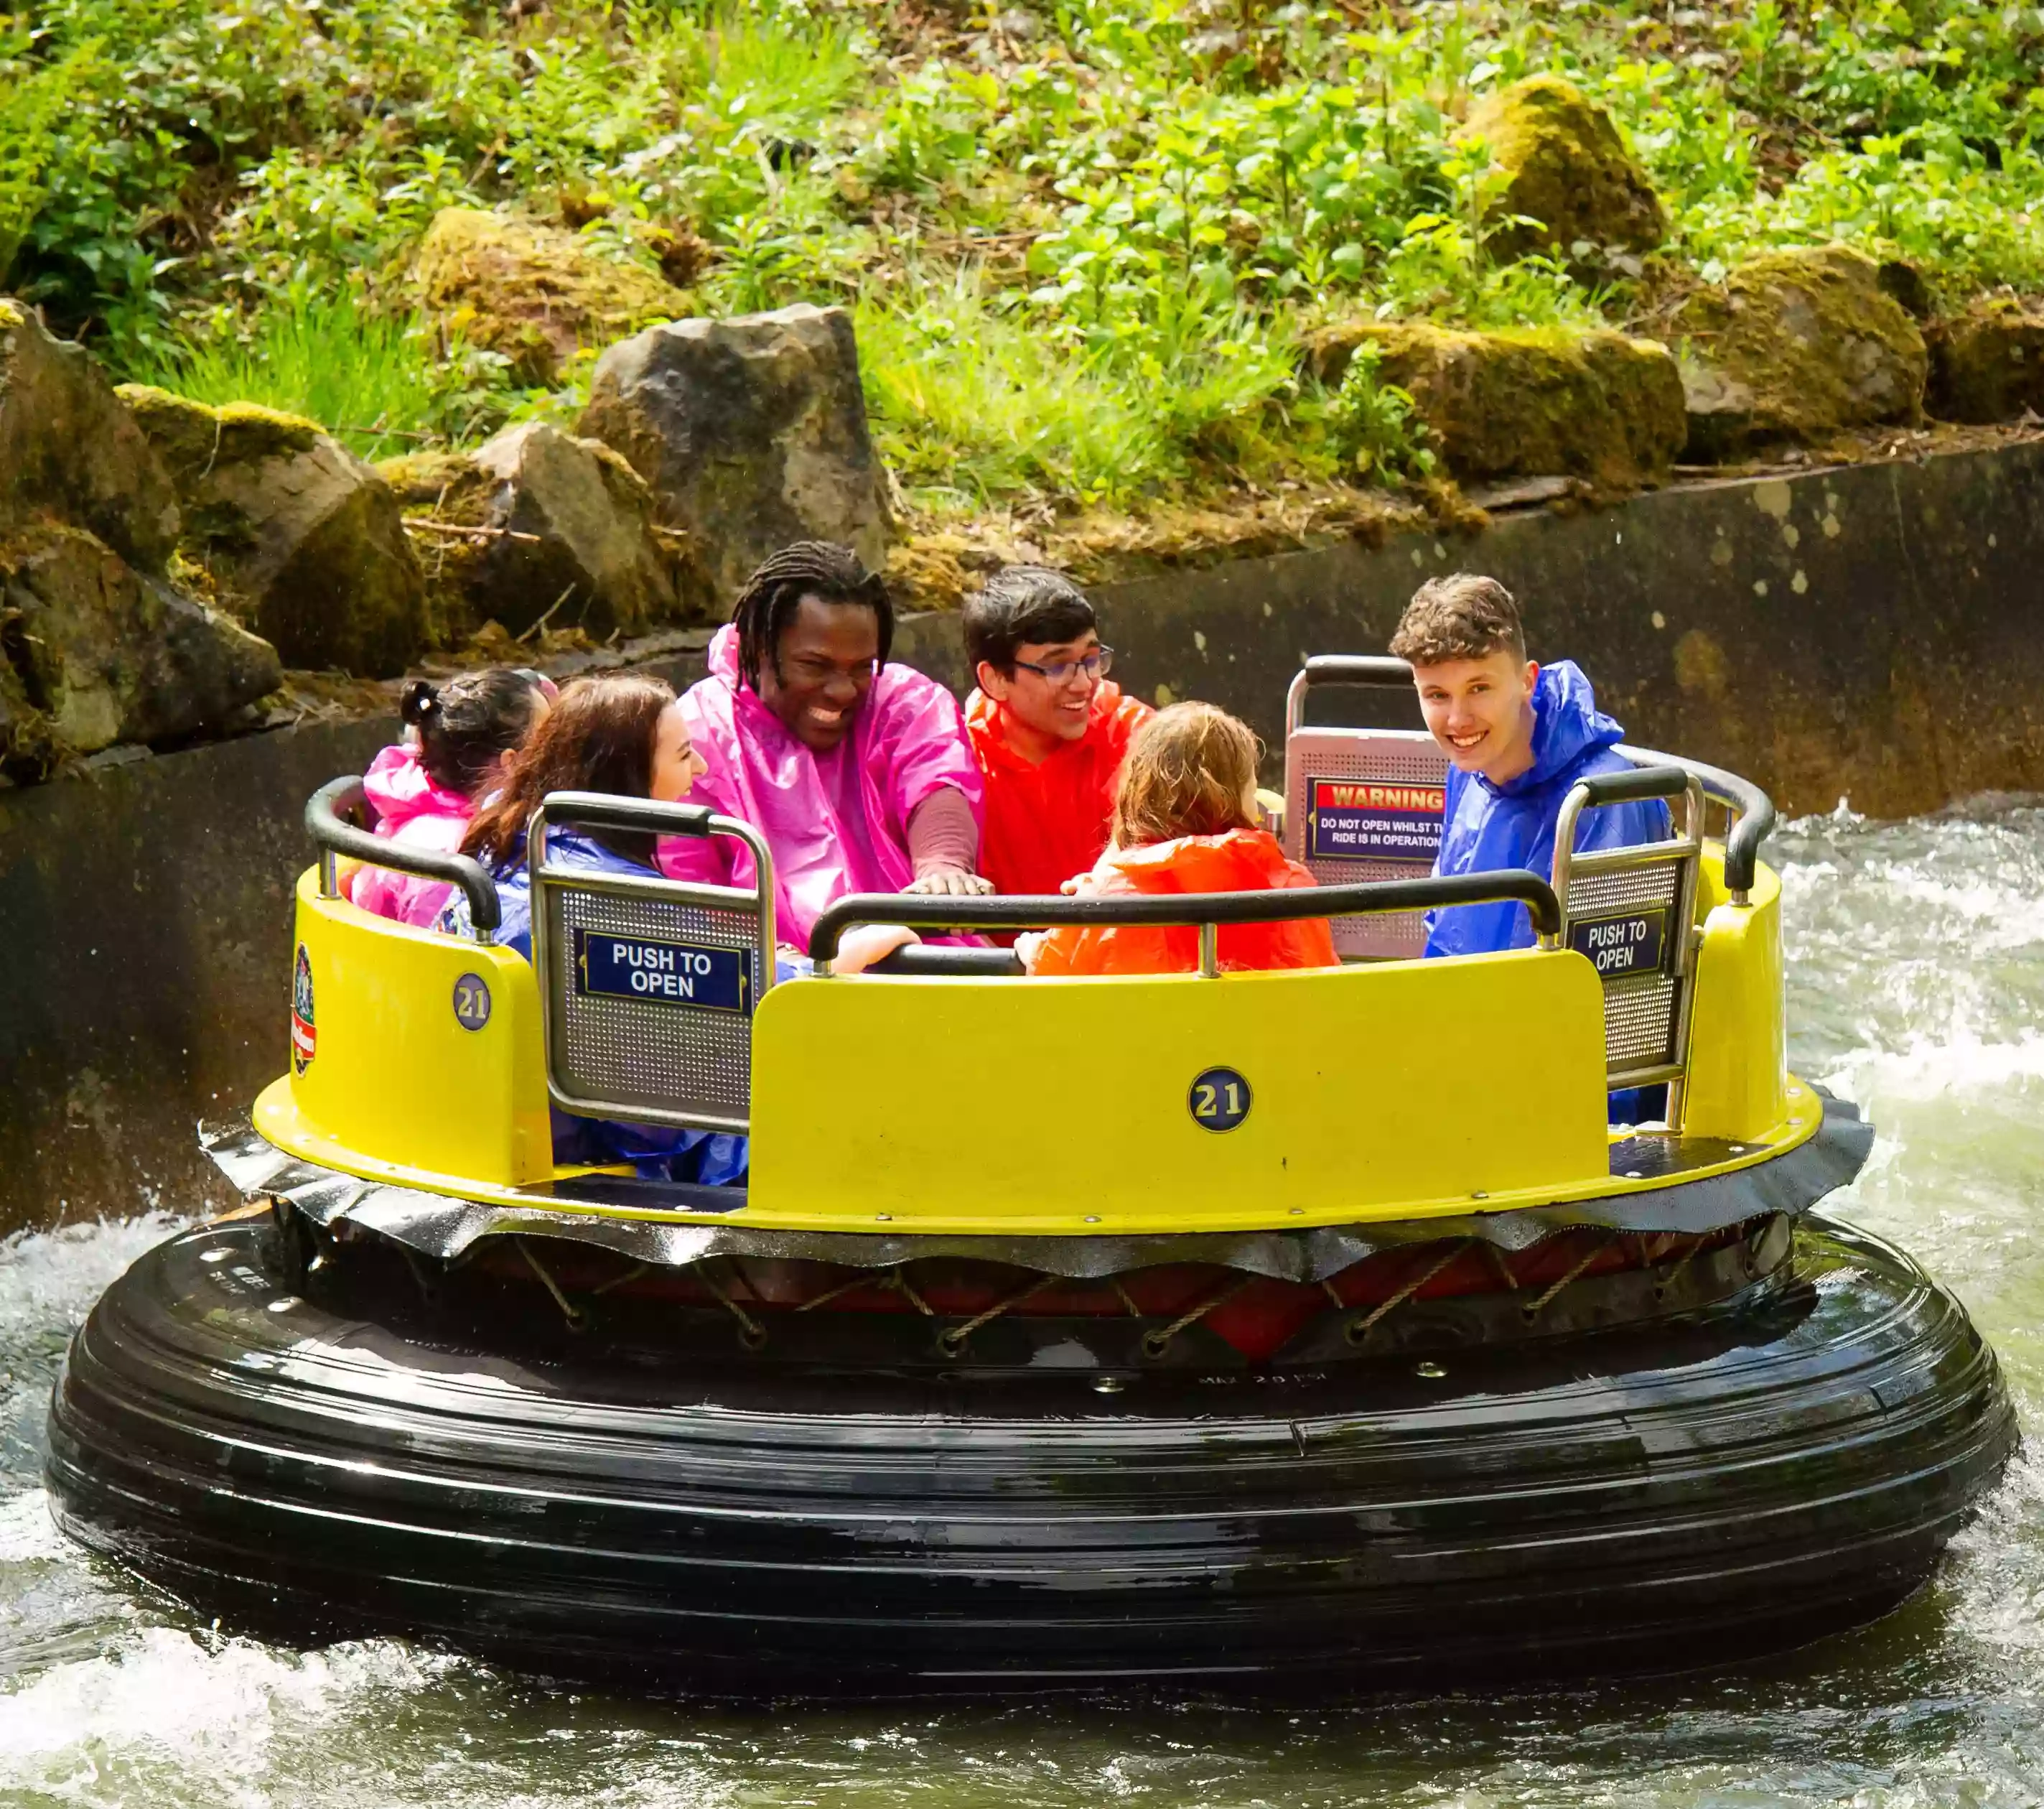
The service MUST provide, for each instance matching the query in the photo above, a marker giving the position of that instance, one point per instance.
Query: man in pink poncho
(858, 773)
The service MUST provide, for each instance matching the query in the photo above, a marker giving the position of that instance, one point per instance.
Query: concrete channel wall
(1875, 633)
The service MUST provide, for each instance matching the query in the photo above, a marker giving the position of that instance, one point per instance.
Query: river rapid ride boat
(1308, 1329)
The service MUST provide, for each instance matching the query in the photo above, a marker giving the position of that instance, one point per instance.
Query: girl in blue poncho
(623, 733)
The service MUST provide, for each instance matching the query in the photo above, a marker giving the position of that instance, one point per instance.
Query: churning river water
(1916, 986)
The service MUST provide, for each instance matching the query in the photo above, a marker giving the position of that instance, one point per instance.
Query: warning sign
(1356, 819)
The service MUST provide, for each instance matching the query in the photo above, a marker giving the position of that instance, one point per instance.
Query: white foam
(1932, 1069)
(163, 1694)
(27, 1532)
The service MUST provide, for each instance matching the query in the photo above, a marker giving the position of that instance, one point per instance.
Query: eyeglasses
(1095, 665)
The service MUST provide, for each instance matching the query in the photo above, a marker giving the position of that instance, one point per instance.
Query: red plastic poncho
(1241, 860)
(1048, 820)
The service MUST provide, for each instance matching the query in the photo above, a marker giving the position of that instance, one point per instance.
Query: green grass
(1083, 236)
(371, 379)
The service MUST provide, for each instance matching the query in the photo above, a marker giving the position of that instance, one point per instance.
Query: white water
(1916, 986)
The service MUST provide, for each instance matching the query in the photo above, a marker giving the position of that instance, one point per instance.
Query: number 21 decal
(1219, 1100)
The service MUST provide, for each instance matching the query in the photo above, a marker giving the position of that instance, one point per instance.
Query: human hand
(861, 946)
(949, 881)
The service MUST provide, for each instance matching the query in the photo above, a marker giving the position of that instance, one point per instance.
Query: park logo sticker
(305, 1035)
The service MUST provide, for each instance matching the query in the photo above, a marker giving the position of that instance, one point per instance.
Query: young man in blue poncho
(1518, 736)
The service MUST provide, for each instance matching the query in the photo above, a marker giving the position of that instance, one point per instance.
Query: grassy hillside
(1082, 239)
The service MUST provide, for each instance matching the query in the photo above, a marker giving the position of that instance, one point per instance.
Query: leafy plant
(1374, 425)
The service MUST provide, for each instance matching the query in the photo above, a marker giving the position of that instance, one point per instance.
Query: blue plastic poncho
(1491, 827)
(664, 1152)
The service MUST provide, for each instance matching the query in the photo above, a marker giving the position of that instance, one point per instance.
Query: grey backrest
(1363, 804)
(649, 984)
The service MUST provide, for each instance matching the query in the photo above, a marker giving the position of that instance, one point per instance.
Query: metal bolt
(1108, 1385)
(885, 1217)
(215, 1256)
(1093, 1218)
(1479, 1194)
(1430, 1370)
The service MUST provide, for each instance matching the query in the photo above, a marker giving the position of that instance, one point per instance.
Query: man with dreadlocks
(858, 773)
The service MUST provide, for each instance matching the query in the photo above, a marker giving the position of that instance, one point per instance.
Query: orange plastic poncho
(1241, 860)
(1047, 821)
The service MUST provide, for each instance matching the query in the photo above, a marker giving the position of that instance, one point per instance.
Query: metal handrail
(335, 836)
(1752, 814)
(1207, 910)
(1379, 670)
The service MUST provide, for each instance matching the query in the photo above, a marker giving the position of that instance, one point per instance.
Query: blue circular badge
(472, 1002)
(1219, 1099)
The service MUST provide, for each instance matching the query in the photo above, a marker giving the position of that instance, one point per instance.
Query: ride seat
(648, 985)
(1363, 804)
(1630, 912)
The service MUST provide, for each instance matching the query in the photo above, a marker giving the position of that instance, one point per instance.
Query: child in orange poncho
(1185, 821)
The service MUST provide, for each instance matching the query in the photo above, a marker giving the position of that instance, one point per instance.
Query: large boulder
(751, 432)
(1797, 345)
(1986, 364)
(68, 449)
(301, 539)
(556, 527)
(1567, 167)
(534, 293)
(104, 653)
(1597, 405)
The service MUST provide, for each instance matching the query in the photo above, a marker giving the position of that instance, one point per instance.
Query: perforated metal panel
(1400, 759)
(1641, 1011)
(667, 1055)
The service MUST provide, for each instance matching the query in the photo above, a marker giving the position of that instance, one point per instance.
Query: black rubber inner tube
(1746, 1477)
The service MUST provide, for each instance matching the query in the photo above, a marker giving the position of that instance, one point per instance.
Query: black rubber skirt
(1741, 1478)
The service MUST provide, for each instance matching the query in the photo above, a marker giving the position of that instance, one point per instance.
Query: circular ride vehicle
(1308, 1329)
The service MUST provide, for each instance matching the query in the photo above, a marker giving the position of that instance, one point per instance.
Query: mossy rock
(1797, 345)
(749, 432)
(1986, 364)
(536, 294)
(1598, 405)
(301, 539)
(1568, 169)
(103, 653)
(70, 451)
(562, 531)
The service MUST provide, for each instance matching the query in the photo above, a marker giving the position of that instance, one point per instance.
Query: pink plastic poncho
(837, 823)
(409, 808)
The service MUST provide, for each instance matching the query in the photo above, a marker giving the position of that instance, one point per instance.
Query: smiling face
(676, 765)
(1481, 712)
(822, 670)
(1045, 712)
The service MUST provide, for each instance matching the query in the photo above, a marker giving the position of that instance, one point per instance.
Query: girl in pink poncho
(425, 790)
(859, 774)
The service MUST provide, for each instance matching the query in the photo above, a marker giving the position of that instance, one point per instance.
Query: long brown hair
(598, 737)
(1187, 770)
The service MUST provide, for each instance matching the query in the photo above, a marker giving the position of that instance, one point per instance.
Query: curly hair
(1460, 617)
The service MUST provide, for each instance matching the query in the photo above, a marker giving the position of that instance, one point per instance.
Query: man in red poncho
(1049, 731)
